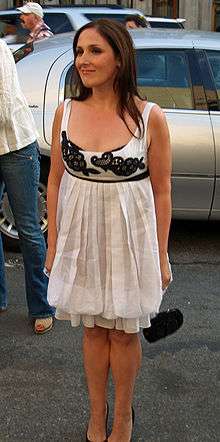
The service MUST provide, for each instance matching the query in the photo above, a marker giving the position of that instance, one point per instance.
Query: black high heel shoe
(106, 425)
(133, 419)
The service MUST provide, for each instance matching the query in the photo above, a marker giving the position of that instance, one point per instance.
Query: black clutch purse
(164, 324)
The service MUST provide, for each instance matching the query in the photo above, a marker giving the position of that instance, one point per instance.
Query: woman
(108, 231)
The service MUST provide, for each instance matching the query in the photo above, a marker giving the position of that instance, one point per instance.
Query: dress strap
(145, 116)
(66, 114)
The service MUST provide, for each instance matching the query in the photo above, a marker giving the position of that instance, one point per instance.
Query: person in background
(109, 212)
(19, 176)
(32, 19)
(135, 21)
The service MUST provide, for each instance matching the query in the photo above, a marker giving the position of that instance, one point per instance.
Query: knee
(95, 333)
(30, 233)
(121, 338)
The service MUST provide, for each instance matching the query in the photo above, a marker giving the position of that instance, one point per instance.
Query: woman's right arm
(55, 175)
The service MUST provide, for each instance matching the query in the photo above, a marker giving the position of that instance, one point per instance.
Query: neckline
(93, 151)
(98, 151)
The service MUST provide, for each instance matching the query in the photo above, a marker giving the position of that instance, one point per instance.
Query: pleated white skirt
(106, 270)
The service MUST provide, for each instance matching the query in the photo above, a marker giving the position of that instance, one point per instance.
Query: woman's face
(95, 61)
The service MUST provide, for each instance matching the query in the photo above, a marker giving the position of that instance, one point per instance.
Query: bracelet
(46, 272)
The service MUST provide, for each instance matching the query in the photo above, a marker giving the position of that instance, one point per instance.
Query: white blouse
(17, 127)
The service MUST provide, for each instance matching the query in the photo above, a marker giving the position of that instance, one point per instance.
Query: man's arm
(8, 83)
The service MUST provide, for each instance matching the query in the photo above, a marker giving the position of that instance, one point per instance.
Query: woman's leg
(96, 350)
(125, 360)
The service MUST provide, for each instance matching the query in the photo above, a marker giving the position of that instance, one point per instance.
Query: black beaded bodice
(109, 166)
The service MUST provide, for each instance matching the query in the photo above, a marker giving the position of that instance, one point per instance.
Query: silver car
(179, 70)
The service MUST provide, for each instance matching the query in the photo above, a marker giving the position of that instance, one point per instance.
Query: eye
(79, 52)
(96, 50)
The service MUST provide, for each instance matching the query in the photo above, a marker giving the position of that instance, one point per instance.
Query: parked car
(60, 20)
(178, 70)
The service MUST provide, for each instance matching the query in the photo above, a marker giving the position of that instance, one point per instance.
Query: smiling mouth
(86, 71)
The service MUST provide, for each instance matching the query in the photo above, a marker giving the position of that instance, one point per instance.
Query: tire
(7, 223)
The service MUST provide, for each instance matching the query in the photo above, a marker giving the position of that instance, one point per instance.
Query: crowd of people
(109, 209)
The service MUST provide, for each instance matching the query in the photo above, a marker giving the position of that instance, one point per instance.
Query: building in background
(216, 15)
(199, 14)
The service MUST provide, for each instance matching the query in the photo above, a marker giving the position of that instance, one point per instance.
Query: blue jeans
(20, 172)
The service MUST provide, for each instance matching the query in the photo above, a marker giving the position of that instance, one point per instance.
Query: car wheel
(7, 223)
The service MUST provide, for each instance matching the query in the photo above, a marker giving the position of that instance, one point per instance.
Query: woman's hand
(165, 271)
(50, 258)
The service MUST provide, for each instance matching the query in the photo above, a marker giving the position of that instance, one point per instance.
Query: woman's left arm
(159, 161)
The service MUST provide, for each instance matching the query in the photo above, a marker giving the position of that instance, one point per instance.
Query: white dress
(106, 269)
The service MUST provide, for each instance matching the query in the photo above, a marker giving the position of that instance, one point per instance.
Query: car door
(212, 57)
(171, 78)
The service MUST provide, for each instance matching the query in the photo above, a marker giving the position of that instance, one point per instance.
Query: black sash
(138, 177)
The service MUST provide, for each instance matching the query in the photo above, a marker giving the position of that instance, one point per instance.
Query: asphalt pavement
(177, 397)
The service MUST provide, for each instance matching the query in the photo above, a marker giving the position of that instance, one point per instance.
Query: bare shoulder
(158, 131)
(140, 104)
(59, 111)
(58, 117)
(157, 116)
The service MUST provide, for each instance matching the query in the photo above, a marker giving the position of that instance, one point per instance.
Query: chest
(98, 131)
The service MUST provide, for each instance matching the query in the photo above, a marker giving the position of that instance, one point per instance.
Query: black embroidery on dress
(118, 165)
(74, 158)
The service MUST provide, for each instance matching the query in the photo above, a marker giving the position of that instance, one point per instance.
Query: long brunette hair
(125, 83)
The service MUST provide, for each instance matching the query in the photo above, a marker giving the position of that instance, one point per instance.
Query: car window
(58, 22)
(164, 24)
(163, 77)
(214, 62)
(11, 30)
(97, 15)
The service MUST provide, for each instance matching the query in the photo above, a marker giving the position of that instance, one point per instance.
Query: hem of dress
(128, 325)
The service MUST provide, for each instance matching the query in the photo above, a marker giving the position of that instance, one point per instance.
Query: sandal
(133, 419)
(43, 325)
